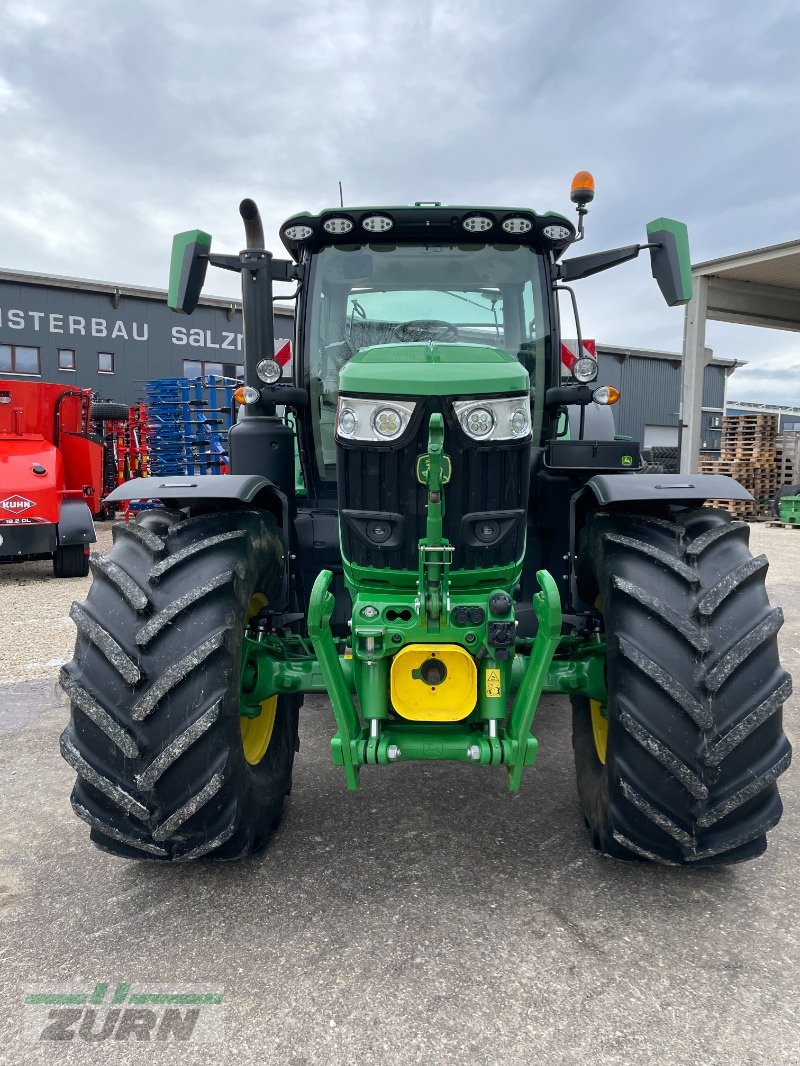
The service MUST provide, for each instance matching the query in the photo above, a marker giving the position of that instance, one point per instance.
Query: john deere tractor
(433, 523)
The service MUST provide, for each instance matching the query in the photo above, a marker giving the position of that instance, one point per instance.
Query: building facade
(788, 417)
(114, 338)
(650, 388)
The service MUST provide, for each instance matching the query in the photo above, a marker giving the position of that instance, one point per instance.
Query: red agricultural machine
(51, 475)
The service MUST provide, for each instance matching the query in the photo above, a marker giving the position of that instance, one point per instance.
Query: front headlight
(584, 369)
(497, 419)
(379, 421)
(269, 370)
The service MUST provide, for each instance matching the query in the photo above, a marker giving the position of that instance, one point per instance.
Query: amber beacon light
(582, 189)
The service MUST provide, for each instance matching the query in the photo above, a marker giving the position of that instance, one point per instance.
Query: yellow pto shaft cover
(434, 683)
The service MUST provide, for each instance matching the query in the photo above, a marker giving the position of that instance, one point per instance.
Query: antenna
(341, 196)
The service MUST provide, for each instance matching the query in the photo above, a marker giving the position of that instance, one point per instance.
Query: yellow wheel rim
(257, 732)
(599, 719)
(257, 603)
(599, 729)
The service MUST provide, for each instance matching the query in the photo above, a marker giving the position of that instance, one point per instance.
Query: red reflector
(284, 353)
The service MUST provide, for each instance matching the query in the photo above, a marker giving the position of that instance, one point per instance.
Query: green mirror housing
(187, 269)
(670, 259)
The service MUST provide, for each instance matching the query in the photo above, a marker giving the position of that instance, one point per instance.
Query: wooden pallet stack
(747, 454)
(751, 438)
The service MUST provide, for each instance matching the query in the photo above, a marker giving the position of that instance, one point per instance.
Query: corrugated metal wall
(651, 392)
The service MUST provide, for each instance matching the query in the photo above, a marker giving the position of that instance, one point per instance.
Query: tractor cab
(466, 278)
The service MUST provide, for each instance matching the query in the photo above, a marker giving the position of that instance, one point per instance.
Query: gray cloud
(124, 122)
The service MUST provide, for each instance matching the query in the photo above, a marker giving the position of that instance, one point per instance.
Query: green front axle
(551, 662)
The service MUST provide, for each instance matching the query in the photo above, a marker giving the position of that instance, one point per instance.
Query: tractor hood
(429, 369)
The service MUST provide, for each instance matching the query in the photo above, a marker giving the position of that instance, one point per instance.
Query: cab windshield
(363, 295)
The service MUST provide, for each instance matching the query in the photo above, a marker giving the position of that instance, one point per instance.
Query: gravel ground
(38, 634)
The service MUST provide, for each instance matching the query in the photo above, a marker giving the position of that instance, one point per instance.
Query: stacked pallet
(749, 437)
(747, 454)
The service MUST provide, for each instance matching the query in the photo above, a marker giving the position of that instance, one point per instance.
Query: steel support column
(694, 361)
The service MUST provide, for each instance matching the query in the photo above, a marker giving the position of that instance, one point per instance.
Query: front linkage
(447, 659)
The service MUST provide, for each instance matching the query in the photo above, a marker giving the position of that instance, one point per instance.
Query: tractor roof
(428, 223)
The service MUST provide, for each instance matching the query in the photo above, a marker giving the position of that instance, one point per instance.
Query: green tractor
(433, 524)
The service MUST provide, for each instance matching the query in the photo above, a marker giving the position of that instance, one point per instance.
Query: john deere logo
(627, 460)
(424, 465)
(16, 504)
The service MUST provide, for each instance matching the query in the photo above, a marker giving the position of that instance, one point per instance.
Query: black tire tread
(109, 411)
(695, 744)
(154, 733)
(70, 560)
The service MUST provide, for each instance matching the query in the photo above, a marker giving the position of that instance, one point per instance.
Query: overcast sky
(122, 122)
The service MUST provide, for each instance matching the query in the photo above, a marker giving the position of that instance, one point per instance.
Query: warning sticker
(493, 682)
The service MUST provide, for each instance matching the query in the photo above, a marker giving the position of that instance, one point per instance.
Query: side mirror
(670, 261)
(187, 269)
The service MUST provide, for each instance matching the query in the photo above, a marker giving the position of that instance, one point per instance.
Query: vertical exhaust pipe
(253, 226)
(260, 443)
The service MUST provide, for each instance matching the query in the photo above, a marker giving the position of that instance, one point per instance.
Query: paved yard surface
(429, 918)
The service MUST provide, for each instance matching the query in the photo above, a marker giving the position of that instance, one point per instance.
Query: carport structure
(758, 288)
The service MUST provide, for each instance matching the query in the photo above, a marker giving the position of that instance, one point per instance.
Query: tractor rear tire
(70, 560)
(155, 734)
(684, 770)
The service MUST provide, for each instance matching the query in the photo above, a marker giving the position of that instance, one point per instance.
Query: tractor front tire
(681, 764)
(164, 767)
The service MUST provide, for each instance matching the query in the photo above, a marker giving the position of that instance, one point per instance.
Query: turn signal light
(606, 394)
(582, 188)
(246, 394)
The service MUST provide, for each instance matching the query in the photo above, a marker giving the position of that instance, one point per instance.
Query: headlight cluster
(386, 420)
(497, 419)
(508, 418)
(372, 420)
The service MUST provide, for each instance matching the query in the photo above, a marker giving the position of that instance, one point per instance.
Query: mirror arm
(584, 265)
(225, 262)
(282, 269)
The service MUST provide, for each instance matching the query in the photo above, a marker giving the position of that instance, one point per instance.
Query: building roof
(767, 408)
(670, 357)
(759, 287)
(777, 264)
(139, 292)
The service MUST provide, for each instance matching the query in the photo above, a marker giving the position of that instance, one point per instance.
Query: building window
(105, 362)
(66, 358)
(19, 359)
(200, 368)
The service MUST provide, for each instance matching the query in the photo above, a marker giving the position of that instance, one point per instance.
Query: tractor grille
(491, 481)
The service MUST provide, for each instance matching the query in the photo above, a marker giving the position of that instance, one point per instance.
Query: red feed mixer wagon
(51, 475)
